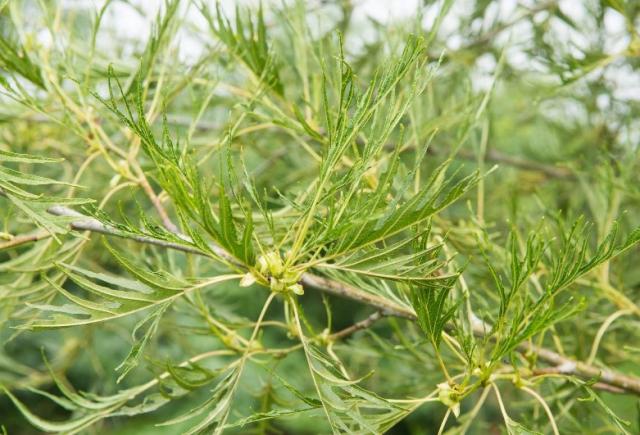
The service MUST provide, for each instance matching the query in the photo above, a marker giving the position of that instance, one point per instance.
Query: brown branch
(496, 156)
(86, 223)
(563, 364)
(26, 238)
(157, 204)
(568, 366)
(362, 324)
(559, 371)
(326, 285)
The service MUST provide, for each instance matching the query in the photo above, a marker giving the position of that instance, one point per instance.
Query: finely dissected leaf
(91, 407)
(515, 428)
(216, 407)
(181, 179)
(347, 406)
(40, 216)
(161, 32)
(248, 41)
(133, 358)
(159, 280)
(621, 424)
(570, 261)
(35, 206)
(433, 307)
(15, 59)
(262, 416)
(47, 425)
(123, 297)
(10, 176)
(8, 156)
(95, 409)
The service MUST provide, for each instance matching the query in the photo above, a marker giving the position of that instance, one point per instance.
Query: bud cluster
(281, 280)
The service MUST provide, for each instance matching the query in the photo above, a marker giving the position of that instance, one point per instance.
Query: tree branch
(362, 324)
(563, 365)
(496, 156)
(26, 238)
(87, 223)
(157, 204)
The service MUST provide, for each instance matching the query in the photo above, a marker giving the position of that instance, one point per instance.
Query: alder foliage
(291, 218)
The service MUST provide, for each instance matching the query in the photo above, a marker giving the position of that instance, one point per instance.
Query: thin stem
(481, 156)
(605, 325)
(444, 421)
(454, 346)
(155, 200)
(506, 417)
(443, 366)
(293, 304)
(242, 361)
(545, 407)
(470, 417)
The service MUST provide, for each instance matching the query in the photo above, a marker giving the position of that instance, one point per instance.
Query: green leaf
(8, 156)
(48, 425)
(15, 59)
(133, 358)
(123, 297)
(248, 41)
(515, 428)
(430, 305)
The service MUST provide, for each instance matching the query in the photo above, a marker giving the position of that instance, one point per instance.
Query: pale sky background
(132, 24)
(129, 23)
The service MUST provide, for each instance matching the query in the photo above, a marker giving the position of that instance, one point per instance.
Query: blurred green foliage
(473, 166)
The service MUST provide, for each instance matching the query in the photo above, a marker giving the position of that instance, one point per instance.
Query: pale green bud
(247, 280)
(296, 288)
